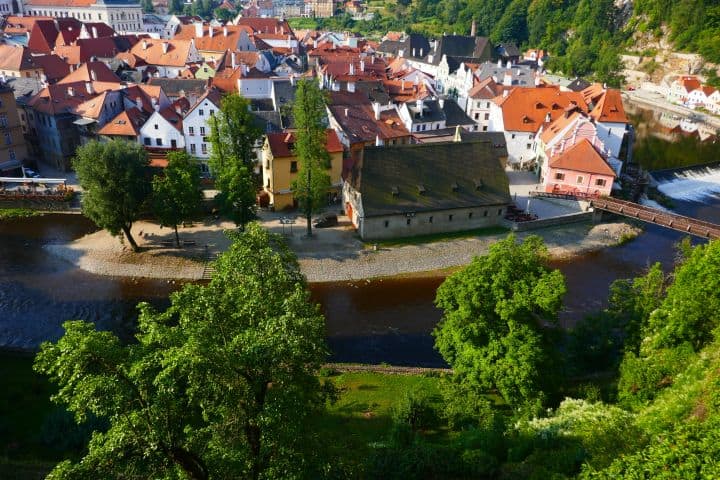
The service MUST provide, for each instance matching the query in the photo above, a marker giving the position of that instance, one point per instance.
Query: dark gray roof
(267, 121)
(414, 42)
(173, 86)
(465, 46)
(508, 50)
(578, 85)
(431, 111)
(452, 175)
(522, 75)
(454, 115)
(447, 135)
(23, 88)
(283, 93)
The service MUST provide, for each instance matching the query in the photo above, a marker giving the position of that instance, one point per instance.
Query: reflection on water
(371, 322)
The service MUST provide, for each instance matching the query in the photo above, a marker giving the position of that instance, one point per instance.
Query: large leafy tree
(115, 182)
(216, 386)
(312, 183)
(495, 314)
(176, 193)
(233, 136)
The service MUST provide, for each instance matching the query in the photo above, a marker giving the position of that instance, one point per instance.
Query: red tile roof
(526, 109)
(91, 72)
(689, 82)
(582, 157)
(358, 122)
(267, 25)
(218, 42)
(60, 3)
(16, 25)
(281, 143)
(609, 108)
(152, 51)
(127, 124)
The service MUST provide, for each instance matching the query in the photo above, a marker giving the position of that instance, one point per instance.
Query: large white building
(122, 15)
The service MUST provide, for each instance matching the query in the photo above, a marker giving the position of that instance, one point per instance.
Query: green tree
(495, 313)
(217, 386)
(233, 136)
(115, 183)
(223, 14)
(176, 193)
(147, 6)
(312, 183)
(176, 6)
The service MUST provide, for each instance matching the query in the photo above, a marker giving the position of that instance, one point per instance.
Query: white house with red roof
(163, 130)
(196, 127)
(121, 15)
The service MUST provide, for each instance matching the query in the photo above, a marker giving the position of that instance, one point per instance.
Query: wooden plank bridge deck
(689, 225)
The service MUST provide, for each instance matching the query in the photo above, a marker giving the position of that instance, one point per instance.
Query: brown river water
(388, 320)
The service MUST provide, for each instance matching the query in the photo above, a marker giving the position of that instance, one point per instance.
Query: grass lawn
(6, 213)
(24, 405)
(439, 237)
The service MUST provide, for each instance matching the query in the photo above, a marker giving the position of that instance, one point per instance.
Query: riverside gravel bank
(328, 256)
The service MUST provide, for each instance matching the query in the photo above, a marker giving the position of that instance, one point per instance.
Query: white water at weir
(692, 185)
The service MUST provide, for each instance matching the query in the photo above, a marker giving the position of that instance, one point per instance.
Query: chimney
(145, 45)
(292, 80)
(506, 92)
(199, 29)
(165, 46)
(351, 87)
(414, 52)
(71, 92)
(89, 87)
(419, 103)
(402, 86)
(507, 79)
(352, 68)
(457, 137)
(548, 118)
(210, 31)
(537, 80)
(346, 111)
(138, 103)
(441, 102)
(473, 28)
(378, 142)
(154, 103)
(315, 43)
(178, 110)
(242, 69)
(376, 110)
(499, 63)
(233, 61)
(94, 32)
(508, 65)
(225, 31)
(362, 65)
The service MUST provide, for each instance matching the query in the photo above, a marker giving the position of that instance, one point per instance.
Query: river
(369, 321)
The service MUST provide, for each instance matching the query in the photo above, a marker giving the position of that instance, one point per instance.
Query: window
(293, 166)
(430, 219)
(484, 128)
(450, 218)
(203, 148)
(477, 116)
(191, 131)
(8, 138)
(423, 127)
(528, 145)
(609, 131)
(173, 143)
(407, 222)
(192, 148)
(201, 112)
(156, 126)
(600, 182)
(202, 131)
(559, 176)
(3, 120)
(512, 136)
(470, 215)
(212, 112)
(485, 213)
(580, 179)
(487, 116)
(387, 223)
(158, 141)
(11, 154)
(148, 141)
(487, 105)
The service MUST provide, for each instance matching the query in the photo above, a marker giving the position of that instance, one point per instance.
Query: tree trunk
(190, 463)
(130, 239)
(177, 237)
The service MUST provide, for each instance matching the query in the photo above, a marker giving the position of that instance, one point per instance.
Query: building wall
(57, 137)
(576, 182)
(29, 73)
(611, 134)
(122, 18)
(479, 111)
(426, 223)
(12, 141)
(164, 131)
(278, 176)
(255, 88)
(520, 146)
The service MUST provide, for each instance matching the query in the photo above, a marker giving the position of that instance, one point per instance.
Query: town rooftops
(360, 125)
(178, 87)
(609, 108)
(281, 144)
(127, 124)
(172, 53)
(689, 82)
(452, 174)
(527, 109)
(91, 72)
(582, 157)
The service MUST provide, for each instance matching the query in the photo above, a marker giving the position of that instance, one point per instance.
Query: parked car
(31, 173)
(326, 220)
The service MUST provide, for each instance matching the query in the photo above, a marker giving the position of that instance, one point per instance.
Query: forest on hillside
(584, 37)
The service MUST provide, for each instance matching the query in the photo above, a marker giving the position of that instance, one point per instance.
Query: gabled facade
(121, 15)
(196, 127)
(163, 130)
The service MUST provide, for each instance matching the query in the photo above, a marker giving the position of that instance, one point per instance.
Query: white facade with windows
(196, 130)
(158, 132)
(122, 15)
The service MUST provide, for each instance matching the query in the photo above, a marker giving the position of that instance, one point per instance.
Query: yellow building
(12, 143)
(280, 166)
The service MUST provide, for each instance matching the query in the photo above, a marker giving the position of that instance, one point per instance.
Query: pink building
(579, 169)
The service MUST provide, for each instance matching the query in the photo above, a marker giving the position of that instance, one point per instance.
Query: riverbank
(328, 256)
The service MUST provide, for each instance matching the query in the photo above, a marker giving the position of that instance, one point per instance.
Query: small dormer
(478, 184)
(455, 187)
(421, 189)
(395, 191)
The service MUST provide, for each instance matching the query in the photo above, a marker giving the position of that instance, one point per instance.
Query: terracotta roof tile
(281, 143)
(527, 109)
(582, 157)
(127, 124)
(152, 51)
(91, 72)
(609, 108)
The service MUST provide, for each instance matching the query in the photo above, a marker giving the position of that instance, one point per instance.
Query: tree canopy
(216, 386)
(495, 312)
(115, 182)
(312, 184)
(176, 193)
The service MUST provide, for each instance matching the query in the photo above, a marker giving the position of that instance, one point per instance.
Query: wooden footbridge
(689, 225)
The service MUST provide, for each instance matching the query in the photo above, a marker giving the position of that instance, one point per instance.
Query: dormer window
(421, 189)
(478, 184)
(395, 191)
(455, 187)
